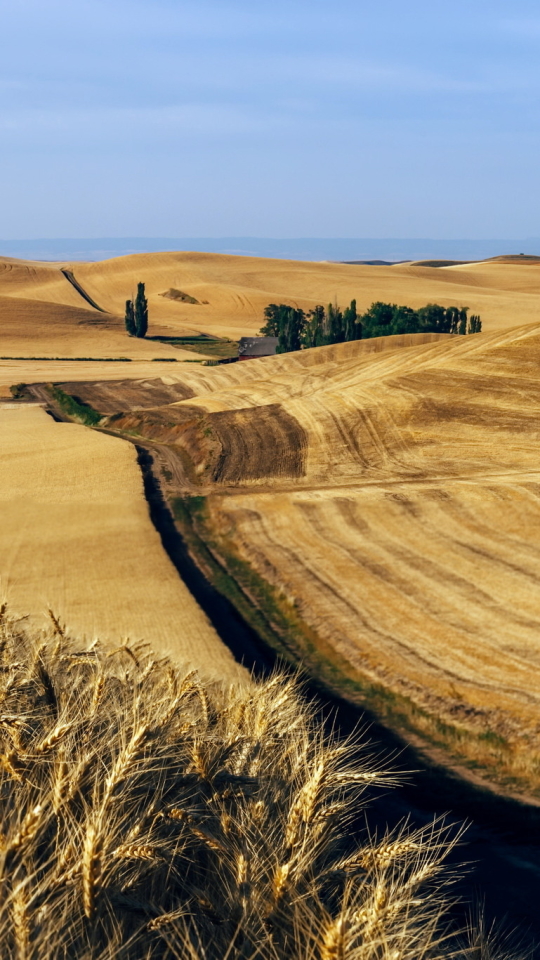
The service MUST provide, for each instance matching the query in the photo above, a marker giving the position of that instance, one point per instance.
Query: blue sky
(289, 118)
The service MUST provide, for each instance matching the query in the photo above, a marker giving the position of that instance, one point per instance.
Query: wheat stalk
(303, 808)
(125, 760)
(13, 765)
(134, 851)
(227, 843)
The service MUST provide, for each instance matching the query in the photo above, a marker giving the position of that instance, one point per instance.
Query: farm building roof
(257, 346)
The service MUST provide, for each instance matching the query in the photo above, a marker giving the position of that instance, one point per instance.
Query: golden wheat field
(149, 813)
(76, 537)
(379, 497)
(42, 313)
(388, 493)
(238, 288)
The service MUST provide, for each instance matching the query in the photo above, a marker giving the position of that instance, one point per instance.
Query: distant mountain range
(391, 250)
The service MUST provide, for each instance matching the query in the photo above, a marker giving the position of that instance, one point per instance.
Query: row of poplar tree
(297, 330)
(136, 317)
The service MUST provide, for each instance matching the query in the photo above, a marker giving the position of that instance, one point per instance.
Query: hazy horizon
(292, 248)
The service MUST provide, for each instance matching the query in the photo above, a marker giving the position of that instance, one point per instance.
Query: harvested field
(133, 374)
(238, 288)
(402, 548)
(380, 497)
(34, 328)
(42, 313)
(76, 537)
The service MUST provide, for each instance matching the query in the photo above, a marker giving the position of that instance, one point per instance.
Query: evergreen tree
(129, 319)
(141, 312)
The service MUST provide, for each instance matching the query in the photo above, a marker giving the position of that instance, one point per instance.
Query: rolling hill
(375, 503)
(378, 502)
(48, 308)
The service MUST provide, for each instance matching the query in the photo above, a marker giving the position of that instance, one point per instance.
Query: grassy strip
(278, 622)
(188, 512)
(220, 349)
(74, 408)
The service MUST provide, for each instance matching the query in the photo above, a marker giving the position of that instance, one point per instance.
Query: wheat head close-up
(147, 813)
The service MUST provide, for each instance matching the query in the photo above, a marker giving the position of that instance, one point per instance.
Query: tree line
(297, 329)
(136, 316)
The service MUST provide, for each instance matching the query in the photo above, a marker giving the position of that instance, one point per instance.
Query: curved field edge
(468, 750)
(278, 622)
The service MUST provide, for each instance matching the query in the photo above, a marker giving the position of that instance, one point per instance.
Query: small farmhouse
(249, 348)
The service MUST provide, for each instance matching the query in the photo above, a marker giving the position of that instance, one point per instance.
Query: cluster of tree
(136, 318)
(297, 330)
(384, 319)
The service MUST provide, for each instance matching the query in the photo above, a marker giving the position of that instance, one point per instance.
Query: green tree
(141, 312)
(475, 324)
(352, 328)
(433, 319)
(314, 325)
(291, 323)
(271, 316)
(462, 325)
(129, 319)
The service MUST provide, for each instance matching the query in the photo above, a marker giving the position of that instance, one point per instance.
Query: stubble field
(383, 498)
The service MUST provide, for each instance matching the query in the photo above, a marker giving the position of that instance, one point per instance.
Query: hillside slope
(41, 309)
(379, 502)
(238, 288)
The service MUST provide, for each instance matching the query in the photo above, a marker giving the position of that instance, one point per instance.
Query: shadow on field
(501, 846)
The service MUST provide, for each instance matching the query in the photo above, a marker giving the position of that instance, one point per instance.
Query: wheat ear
(59, 731)
(333, 941)
(91, 870)
(28, 828)
(21, 924)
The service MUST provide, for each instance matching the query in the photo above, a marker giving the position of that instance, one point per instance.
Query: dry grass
(148, 814)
